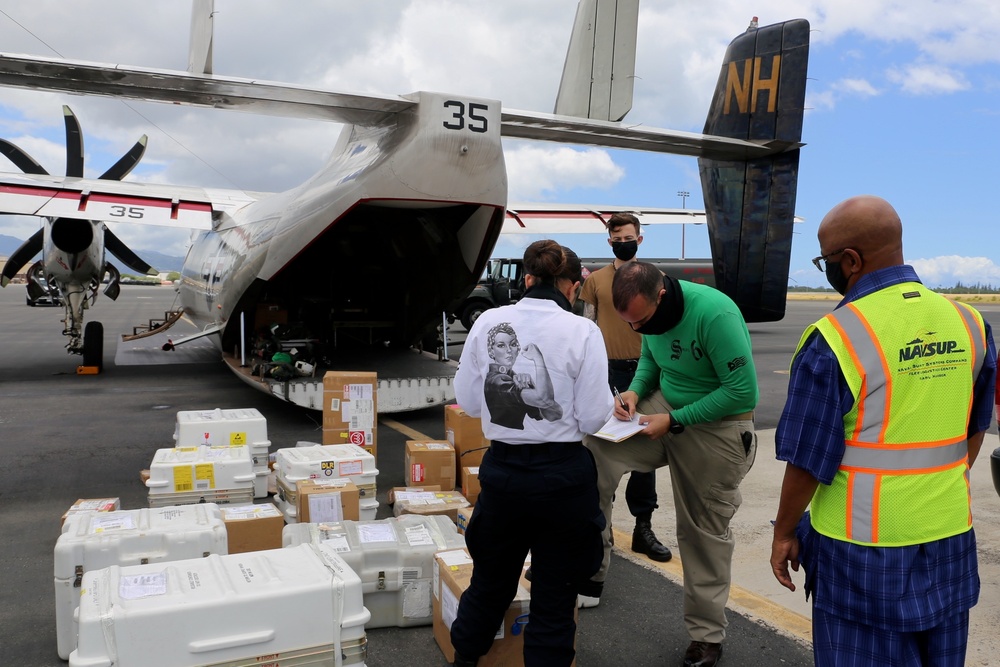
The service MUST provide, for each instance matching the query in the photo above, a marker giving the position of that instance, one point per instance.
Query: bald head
(868, 225)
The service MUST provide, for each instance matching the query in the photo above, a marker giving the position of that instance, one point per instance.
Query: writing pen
(620, 399)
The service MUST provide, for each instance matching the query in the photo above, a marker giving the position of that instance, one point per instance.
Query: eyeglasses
(826, 258)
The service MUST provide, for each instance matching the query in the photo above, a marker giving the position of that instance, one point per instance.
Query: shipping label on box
(92, 505)
(446, 503)
(391, 496)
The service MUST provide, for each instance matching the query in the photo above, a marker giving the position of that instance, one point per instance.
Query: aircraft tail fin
(200, 49)
(600, 62)
(750, 204)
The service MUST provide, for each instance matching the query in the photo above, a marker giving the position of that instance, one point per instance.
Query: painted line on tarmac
(741, 600)
(413, 434)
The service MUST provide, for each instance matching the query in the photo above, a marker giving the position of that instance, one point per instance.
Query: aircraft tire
(472, 312)
(93, 345)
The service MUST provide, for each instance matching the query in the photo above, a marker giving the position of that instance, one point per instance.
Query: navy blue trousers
(542, 498)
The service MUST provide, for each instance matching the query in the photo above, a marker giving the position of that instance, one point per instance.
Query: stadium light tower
(683, 194)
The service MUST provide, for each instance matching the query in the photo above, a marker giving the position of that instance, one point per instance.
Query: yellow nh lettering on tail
(739, 86)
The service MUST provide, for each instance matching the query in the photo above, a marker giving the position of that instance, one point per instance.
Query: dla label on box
(370, 533)
(102, 523)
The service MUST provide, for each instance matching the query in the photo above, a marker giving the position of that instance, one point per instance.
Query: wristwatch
(675, 426)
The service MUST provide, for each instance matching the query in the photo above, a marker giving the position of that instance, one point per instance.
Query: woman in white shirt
(537, 375)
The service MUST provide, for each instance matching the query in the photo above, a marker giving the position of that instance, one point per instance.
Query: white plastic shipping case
(295, 606)
(312, 461)
(201, 474)
(394, 558)
(228, 428)
(95, 540)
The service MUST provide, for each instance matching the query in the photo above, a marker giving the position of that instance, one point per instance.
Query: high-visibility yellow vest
(911, 358)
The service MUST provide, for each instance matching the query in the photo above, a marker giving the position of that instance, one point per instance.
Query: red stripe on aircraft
(27, 190)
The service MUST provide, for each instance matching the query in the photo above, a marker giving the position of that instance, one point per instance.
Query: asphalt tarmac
(67, 436)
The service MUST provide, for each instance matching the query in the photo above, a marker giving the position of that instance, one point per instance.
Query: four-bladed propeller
(74, 169)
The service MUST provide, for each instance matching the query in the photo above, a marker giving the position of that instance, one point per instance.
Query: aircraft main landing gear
(93, 349)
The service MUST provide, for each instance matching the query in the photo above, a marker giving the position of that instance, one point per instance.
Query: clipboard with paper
(617, 430)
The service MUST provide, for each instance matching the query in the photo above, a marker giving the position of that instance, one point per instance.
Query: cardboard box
(391, 496)
(424, 503)
(92, 505)
(318, 500)
(453, 571)
(350, 403)
(464, 517)
(268, 314)
(470, 484)
(252, 527)
(465, 433)
(430, 462)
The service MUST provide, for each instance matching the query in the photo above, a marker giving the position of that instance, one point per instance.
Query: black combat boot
(644, 540)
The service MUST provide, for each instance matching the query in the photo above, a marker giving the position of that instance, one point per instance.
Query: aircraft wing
(117, 201)
(584, 219)
(282, 99)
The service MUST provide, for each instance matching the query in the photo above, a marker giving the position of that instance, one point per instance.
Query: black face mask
(835, 276)
(668, 312)
(624, 250)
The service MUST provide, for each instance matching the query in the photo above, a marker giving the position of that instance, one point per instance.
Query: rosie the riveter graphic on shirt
(509, 395)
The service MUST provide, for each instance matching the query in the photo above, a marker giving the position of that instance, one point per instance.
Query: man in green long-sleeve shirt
(695, 389)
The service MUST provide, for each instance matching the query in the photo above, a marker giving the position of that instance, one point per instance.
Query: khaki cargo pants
(707, 462)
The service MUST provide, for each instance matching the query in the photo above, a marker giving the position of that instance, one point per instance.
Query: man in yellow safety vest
(888, 401)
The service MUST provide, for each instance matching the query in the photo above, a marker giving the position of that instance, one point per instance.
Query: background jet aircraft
(396, 228)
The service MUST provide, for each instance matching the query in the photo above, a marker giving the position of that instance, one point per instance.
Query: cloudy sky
(902, 102)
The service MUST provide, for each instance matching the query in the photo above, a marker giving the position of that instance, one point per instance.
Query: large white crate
(394, 558)
(95, 540)
(233, 428)
(254, 608)
(221, 428)
(201, 474)
(312, 461)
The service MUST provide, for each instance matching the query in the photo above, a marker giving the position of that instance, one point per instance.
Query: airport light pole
(683, 194)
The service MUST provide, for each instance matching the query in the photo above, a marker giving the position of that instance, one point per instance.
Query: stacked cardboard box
(242, 427)
(92, 505)
(464, 517)
(465, 433)
(470, 484)
(430, 462)
(427, 503)
(326, 500)
(453, 571)
(350, 409)
(252, 527)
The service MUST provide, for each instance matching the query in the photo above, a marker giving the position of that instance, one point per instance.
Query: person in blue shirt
(905, 604)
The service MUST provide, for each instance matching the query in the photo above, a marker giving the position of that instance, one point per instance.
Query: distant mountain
(159, 261)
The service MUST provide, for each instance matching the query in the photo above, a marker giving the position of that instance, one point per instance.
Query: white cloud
(948, 270)
(859, 87)
(928, 79)
(536, 172)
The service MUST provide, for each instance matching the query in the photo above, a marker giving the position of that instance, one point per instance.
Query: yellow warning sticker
(237, 439)
(183, 481)
(205, 472)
